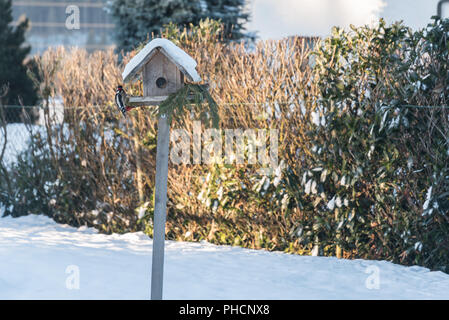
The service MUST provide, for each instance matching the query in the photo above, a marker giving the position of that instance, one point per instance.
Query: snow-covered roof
(175, 54)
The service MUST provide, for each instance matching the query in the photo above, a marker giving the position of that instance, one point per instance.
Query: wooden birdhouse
(163, 67)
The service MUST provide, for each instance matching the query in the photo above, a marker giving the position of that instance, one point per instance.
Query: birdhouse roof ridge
(175, 54)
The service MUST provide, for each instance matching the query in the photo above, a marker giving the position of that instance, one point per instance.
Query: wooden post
(160, 207)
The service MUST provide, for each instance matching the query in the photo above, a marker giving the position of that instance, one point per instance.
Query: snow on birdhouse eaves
(181, 59)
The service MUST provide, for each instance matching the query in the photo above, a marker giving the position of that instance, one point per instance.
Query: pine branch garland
(191, 98)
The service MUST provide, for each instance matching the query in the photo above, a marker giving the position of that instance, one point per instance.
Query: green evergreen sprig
(191, 98)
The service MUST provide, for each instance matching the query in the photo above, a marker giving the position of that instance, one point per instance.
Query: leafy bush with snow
(377, 179)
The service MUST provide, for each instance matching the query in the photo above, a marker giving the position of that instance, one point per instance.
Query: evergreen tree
(138, 20)
(13, 72)
(233, 15)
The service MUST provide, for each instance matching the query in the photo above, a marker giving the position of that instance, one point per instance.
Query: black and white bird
(120, 96)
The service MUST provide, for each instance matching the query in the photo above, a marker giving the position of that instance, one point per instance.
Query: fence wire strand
(15, 120)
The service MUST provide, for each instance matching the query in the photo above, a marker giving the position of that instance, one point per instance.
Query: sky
(275, 19)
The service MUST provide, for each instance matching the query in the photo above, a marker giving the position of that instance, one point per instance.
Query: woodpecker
(120, 95)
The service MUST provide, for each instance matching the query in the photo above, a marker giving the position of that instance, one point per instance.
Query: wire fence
(18, 122)
(14, 130)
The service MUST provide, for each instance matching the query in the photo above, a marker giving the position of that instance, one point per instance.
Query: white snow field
(40, 259)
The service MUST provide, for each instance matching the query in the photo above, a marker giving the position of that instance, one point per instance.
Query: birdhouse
(163, 67)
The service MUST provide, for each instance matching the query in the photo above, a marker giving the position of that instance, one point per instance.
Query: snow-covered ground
(40, 259)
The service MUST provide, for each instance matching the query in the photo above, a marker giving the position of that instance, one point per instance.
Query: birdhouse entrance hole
(161, 82)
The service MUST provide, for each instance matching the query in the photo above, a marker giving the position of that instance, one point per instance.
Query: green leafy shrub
(378, 159)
